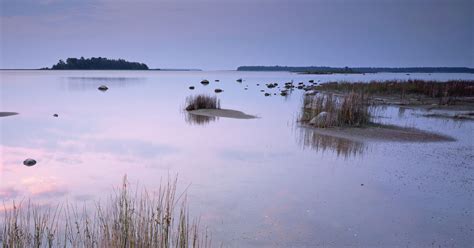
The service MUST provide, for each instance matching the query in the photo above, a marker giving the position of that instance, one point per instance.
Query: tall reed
(202, 102)
(131, 218)
(326, 110)
(430, 88)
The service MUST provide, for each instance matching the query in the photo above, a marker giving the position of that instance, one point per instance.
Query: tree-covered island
(97, 64)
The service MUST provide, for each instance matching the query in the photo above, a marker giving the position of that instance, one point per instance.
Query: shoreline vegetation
(130, 218)
(455, 94)
(356, 70)
(350, 117)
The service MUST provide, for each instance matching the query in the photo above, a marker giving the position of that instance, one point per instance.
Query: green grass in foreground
(129, 219)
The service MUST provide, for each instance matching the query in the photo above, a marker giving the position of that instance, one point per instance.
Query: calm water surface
(256, 183)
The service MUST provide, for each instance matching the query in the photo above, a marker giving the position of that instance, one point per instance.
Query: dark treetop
(97, 64)
(326, 69)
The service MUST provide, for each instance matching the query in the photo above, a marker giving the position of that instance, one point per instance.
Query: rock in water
(204, 82)
(191, 87)
(218, 90)
(239, 80)
(319, 120)
(29, 162)
(267, 94)
(55, 115)
(103, 88)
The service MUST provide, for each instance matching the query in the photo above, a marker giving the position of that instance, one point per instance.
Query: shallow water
(257, 182)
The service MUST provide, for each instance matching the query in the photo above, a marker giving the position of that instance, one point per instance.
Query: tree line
(98, 64)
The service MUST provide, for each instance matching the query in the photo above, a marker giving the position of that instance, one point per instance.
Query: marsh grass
(202, 102)
(130, 218)
(429, 88)
(348, 110)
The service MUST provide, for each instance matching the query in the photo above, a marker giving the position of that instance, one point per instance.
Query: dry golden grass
(349, 110)
(202, 102)
(129, 219)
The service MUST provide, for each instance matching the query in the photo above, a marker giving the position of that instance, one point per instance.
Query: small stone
(191, 87)
(55, 115)
(240, 80)
(361, 184)
(217, 80)
(103, 88)
(204, 82)
(29, 162)
(267, 94)
(218, 90)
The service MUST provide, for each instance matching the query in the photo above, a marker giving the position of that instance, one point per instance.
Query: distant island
(349, 70)
(97, 64)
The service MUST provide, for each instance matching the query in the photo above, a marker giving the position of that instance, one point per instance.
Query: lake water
(263, 182)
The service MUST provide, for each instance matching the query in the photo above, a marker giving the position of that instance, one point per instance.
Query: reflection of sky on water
(252, 181)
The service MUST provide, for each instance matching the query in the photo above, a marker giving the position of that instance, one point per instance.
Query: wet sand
(4, 114)
(383, 133)
(226, 113)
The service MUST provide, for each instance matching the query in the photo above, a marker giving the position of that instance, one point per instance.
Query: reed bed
(327, 110)
(429, 88)
(202, 102)
(130, 218)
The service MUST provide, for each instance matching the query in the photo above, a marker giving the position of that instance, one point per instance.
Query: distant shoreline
(356, 70)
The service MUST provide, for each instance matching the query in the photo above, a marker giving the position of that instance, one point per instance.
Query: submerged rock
(218, 90)
(217, 80)
(29, 162)
(205, 82)
(103, 88)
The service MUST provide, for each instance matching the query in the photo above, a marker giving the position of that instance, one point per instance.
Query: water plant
(130, 218)
(327, 110)
(196, 102)
(429, 88)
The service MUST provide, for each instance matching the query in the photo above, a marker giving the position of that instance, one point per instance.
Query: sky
(224, 34)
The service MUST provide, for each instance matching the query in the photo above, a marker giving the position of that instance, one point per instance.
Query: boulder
(240, 80)
(205, 82)
(191, 87)
(218, 90)
(29, 162)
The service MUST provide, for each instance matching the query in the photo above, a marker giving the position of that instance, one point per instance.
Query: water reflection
(312, 139)
(91, 83)
(198, 119)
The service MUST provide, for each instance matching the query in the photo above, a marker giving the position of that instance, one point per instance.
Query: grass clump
(327, 110)
(202, 102)
(129, 219)
(429, 88)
